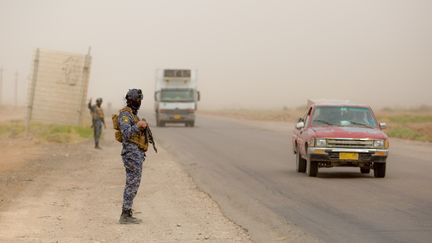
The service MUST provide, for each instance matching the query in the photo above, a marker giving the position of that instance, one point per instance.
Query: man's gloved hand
(142, 124)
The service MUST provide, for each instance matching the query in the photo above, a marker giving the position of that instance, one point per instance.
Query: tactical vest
(138, 139)
(97, 112)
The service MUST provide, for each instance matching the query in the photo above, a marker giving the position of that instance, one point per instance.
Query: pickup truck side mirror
(300, 125)
(383, 125)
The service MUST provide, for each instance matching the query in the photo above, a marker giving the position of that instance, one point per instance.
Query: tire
(379, 170)
(312, 168)
(364, 170)
(157, 120)
(190, 124)
(300, 163)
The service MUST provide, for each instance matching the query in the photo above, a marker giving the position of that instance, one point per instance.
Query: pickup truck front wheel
(379, 170)
(300, 162)
(312, 168)
(364, 170)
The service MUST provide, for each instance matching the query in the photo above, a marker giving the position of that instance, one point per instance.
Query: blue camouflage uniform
(97, 122)
(133, 157)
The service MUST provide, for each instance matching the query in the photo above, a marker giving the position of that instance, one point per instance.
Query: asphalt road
(248, 168)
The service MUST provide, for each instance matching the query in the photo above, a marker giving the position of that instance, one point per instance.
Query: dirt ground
(73, 193)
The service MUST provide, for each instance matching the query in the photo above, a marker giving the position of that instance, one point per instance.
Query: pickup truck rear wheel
(300, 163)
(312, 168)
(379, 170)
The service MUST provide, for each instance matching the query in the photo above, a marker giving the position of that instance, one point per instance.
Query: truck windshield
(343, 116)
(177, 95)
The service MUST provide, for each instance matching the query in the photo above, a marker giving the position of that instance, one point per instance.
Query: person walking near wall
(98, 120)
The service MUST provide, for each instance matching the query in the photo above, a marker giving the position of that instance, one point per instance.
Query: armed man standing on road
(97, 120)
(135, 135)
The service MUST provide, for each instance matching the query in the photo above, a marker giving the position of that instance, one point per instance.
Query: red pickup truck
(340, 133)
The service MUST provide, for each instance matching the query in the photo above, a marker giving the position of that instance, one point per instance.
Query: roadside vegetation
(406, 123)
(413, 124)
(45, 132)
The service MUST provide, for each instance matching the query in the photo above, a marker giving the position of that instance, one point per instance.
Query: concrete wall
(58, 90)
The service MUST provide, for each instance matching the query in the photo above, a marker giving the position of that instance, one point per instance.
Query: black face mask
(134, 105)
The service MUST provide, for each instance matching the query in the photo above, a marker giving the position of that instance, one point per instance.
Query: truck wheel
(300, 163)
(312, 168)
(364, 170)
(379, 170)
(157, 119)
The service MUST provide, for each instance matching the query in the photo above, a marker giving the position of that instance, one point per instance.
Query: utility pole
(16, 88)
(1, 85)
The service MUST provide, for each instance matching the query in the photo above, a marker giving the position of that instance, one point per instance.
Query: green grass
(404, 119)
(408, 125)
(408, 133)
(11, 129)
(46, 132)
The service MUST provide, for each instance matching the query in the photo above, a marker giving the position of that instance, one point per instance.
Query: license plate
(177, 117)
(348, 156)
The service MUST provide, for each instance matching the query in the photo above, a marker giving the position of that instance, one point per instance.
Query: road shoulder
(75, 195)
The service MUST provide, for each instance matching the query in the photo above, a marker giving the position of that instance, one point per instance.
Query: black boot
(126, 217)
(97, 145)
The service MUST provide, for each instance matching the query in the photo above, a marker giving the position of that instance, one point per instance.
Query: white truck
(176, 96)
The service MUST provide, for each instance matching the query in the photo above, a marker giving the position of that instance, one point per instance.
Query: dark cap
(134, 94)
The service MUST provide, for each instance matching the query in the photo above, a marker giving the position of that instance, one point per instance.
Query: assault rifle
(149, 137)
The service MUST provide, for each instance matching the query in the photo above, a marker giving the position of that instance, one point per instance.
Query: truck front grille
(349, 143)
(176, 112)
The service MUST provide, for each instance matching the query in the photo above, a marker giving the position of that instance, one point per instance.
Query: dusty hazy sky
(248, 53)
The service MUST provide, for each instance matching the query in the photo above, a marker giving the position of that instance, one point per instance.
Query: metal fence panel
(58, 89)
